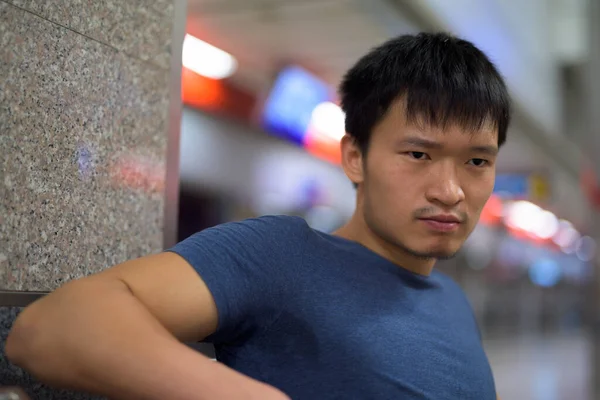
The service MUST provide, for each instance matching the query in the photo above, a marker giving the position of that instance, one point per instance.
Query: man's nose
(445, 187)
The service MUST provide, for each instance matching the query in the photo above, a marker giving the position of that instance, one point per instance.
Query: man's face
(424, 187)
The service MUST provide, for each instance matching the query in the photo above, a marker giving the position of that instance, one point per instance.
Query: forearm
(106, 342)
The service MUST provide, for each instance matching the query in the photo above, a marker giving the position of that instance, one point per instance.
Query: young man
(295, 313)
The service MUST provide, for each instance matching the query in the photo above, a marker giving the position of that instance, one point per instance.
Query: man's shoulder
(283, 237)
(266, 240)
(268, 230)
(279, 224)
(265, 232)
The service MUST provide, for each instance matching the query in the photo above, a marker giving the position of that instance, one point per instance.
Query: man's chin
(444, 256)
(439, 253)
(428, 248)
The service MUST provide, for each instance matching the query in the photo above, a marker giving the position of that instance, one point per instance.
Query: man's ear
(352, 160)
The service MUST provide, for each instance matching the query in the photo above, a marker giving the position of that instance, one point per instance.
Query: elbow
(28, 347)
(15, 348)
(45, 339)
(22, 340)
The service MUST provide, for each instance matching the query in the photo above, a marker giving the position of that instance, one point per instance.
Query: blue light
(512, 185)
(288, 109)
(545, 272)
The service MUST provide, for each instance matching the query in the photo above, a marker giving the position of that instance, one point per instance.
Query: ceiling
(570, 28)
(324, 36)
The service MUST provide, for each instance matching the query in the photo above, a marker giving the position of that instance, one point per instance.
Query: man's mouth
(442, 222)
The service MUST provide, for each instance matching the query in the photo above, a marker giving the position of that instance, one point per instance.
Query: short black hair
(443, 79)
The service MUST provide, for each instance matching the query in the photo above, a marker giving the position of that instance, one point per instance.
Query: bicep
(172, 291)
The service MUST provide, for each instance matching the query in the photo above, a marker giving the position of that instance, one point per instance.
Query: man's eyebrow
(489, 150)
(421, 142)
(432, 144)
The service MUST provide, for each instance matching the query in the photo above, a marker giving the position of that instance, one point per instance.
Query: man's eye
(478, 162)
(418, 155)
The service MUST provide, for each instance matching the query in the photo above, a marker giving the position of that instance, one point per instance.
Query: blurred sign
(290, 104)
(534, 187)
(539, 188)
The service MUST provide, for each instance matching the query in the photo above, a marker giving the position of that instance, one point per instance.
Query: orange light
(323, 146)
(199, 91)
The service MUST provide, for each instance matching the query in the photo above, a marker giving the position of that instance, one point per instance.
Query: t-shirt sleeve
(244, 266)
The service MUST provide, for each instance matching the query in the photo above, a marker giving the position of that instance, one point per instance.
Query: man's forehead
(486, 128)
(452, 133)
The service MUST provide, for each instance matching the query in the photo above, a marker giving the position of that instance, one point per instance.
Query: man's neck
(358, 231)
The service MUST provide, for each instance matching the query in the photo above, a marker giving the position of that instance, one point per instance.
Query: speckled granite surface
(83, 138)
(140, 28)
(10, 375)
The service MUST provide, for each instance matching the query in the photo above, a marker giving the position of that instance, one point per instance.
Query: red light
(590, 186)
(492, 211)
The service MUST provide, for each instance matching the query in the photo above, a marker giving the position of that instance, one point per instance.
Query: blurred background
(126, 126)
(260, 132)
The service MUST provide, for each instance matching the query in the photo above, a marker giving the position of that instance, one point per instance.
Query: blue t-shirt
(321, 317)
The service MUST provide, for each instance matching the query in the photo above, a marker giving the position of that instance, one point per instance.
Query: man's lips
(444, 218)
(442, 222)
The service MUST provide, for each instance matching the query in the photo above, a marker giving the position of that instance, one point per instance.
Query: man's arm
(119, 333)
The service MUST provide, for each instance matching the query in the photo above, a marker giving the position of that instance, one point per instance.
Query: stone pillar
(89, 110)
